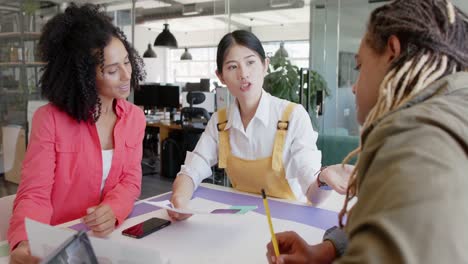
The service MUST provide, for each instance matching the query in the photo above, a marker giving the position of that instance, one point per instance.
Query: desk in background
(165, 127)
(188, 129)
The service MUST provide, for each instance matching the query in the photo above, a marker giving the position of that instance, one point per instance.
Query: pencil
(273, 236)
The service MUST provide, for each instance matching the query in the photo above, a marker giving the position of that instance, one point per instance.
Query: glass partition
(337, 30)
(20, 70)
(322, 35)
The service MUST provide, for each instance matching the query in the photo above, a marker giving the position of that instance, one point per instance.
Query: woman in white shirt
(263, 142)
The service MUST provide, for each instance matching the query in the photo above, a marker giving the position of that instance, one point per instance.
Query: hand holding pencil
(295, 249)
(270, 224)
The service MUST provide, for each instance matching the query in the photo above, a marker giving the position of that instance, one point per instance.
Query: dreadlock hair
(72, 46)
(433, 38)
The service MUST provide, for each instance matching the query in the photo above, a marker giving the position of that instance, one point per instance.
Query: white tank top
(106, 165)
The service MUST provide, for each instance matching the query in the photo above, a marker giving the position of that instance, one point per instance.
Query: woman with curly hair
(411, 175)
(84, 156)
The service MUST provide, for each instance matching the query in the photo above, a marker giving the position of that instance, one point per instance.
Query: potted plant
(283, 81)
(29, 8)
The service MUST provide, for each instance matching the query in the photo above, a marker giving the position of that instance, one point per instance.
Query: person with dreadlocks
(84, 155)
(411, 175)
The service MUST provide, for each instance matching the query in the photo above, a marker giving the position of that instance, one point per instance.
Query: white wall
(296, 31)
(156, 68)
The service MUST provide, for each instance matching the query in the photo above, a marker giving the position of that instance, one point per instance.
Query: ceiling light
(281, 52)
(149, 53)
(186, 55)
(165, 38)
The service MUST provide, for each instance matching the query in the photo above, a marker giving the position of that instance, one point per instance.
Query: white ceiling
(351, 11)
(202, 23)
(219, 21)
(265, 18)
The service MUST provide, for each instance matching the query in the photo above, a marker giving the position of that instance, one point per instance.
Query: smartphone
(145, 228)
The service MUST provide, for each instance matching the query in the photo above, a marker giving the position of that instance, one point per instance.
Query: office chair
(189, 113)
(193, 120)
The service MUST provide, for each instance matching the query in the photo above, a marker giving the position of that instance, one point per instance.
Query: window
(203, 64)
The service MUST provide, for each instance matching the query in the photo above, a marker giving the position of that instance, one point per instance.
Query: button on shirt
(301, 158)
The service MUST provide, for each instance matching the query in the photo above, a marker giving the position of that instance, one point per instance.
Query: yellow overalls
(254, 175)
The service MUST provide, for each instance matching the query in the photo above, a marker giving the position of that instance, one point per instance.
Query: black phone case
(154, 229)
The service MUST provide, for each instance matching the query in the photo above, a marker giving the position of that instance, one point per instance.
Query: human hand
(295, 250)
(337, 177)
(21, 254)
(100, 219)
(179, 202)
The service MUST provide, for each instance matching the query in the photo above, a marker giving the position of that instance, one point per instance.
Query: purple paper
(142, 208)
(312, 216)
(79, 227)
(304, 214)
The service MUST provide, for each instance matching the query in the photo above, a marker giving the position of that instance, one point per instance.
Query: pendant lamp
(165, 38)
(186, 55)
(149, 53)
(281, 52)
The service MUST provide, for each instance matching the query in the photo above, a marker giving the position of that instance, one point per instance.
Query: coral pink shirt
(62, 171)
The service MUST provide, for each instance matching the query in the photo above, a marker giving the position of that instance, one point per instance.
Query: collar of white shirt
(262, 113)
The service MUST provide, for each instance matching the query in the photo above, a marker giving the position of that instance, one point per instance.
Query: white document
(222, 239)
(225, 209)
(43, 239)
(165, 205)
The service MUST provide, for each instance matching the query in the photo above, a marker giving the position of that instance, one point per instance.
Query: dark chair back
(193, 122)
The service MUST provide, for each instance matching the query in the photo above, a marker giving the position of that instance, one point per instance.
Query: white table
(320, 217)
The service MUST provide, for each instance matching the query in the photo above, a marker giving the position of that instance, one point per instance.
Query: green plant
(30, 6)
(283, 81)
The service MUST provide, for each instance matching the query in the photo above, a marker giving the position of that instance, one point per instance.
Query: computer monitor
(157, 95)
(192, 87)
(205, 85)
(202, 86)
(146, 95)
(169, 96)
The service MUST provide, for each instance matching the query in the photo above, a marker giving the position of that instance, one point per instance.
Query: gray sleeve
(338, 238)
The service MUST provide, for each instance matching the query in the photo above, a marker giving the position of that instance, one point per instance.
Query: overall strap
(282, 129)
(223, 147)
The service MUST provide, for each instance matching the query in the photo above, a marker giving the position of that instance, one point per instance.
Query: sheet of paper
(226, 209)
(168, 206)
(221, 239)
(43, 239)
